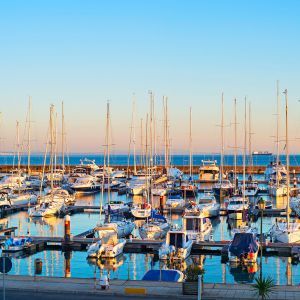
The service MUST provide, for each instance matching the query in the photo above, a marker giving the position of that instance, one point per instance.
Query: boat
(284, 230)
(88, 165)
(14, 244)
(209, 171)
(111, 246)
(86, 184)
(155, 228)
(19, 196)
(141, 210)
(262, 153)
(197, 226)
(175, 200)
(237, 207)
(223, 189)
(52, 207)
(251, 189)
(189, 189)
(243, 248)
(275, 172)
(116, 207)
(208, 205)
(163, 275)
(12, 181)
(277, 190)
(123, 228)
(177, 247)
(136, 187)
(295, 205)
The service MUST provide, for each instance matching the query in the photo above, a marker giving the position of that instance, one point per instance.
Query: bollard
(199, 287)
(67, 229)
(67, 264)
(38, 266)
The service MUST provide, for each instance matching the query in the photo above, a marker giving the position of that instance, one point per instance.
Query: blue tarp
(243, 243)
(162, 275)
(157, 216)
(17, 241)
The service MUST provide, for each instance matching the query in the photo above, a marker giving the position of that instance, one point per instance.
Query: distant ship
(262, 153)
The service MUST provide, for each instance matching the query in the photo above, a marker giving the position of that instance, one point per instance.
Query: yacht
(141, 210)
(177, 247)
(251, 189)
(197, 226)
(275, 172)
(208, 205)
(277, 190)
(209, 171)
(116, 207)
(19, 196)
(175, 200)
(122, 228)
(111, 246)
(86, 184)
(237, 207)
(155, 228)
(223, 188)
(285, 232)
(136, 187)
(12, 181)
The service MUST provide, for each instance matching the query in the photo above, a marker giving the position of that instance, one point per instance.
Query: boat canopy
(243, 243)
(158, 217)
(17, 241)
(163, 275)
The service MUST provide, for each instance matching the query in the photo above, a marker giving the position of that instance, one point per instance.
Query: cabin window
(176, 240)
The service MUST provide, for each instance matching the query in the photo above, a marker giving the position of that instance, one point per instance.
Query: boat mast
(250, 141)
(107, 152)
(190, 145)
(235, 145)
(130, 140)
(287, 160)
(166, 135)
(29, 137)
(18, 154)
(277, 134)
(62, 135)
(142, 149)
(134, 138)
(222, 141)
(245, 146)
(51, 144)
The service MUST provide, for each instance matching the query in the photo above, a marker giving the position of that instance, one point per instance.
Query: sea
(124, 159)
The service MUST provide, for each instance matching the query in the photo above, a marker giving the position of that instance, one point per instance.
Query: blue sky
(86, 52)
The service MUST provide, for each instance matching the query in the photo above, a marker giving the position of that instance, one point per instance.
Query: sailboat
(223, 188)
(56, 199)
(155, 227)
(276, 173)
(238, 205)
(189, 188)
(122, 228)
(284, 230)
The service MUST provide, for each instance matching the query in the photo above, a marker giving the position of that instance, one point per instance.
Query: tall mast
(277, 133)
(107, 141)
(235, 144)
(151, 130)
(29, 136)
(190, 145)
(131, 140)
(147, 159)
(166, 135)
(142, 149)
(287, 159)
(222, 140)
(245, 146)
(62, 135)
(250, 141)
(18, 153)
(51, 143)
(134, 138)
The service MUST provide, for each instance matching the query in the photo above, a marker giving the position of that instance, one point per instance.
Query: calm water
(134, 266)
(122, 160)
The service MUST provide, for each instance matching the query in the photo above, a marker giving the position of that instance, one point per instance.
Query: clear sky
(85, 52)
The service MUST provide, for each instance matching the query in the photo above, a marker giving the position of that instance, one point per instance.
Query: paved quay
(77, 288)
